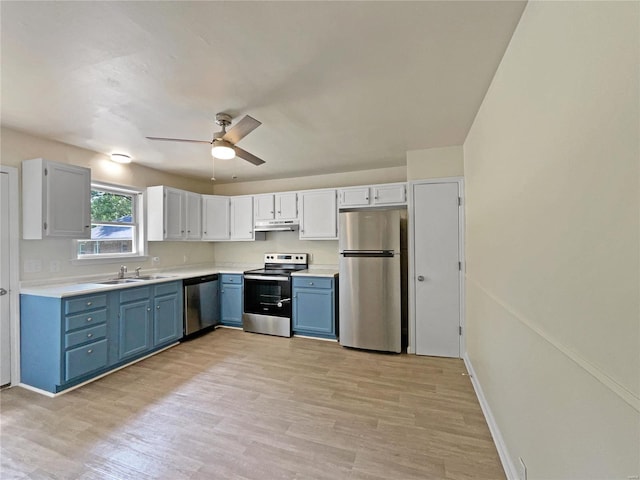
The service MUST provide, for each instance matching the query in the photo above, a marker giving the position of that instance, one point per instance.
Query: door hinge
(46, 172)
(459, 201)
(460, 266)
(460, 331)
(45, 225)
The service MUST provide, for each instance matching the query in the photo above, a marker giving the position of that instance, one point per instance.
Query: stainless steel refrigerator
(369, 299)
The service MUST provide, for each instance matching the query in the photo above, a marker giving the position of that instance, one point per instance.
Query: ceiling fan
(224, 143)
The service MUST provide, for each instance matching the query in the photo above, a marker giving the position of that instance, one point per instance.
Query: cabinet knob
(310, 283)
(89, 319)
(88, 304)
(89, 351)
(375, 198)
(89, 335)
(148, 309)
(158, 307)
(420, 278)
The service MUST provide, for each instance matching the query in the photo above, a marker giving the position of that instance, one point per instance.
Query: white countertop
(69, 287)
(316, 272)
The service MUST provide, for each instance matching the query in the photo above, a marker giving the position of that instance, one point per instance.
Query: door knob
(420, 278)
(3, 292)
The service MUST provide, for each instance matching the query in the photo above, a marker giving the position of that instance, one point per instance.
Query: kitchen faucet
(123, 270)
(138, 271)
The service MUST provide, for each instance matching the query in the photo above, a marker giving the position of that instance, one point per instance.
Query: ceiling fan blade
(249, 157)
(179, 140)
(241, 129)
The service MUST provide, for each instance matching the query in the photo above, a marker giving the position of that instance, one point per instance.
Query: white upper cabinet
(286, 206)
(215, 217)
(173, 214)
(264, 207)
(276, 206)
(56, 200)
(318, 215)
(241, 214)
(193, 221)
(373, 195)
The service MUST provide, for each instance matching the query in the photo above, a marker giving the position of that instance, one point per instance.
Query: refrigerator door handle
(368, 253)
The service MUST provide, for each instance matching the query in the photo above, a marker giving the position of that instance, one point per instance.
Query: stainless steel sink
(120, 280)
(141, 278)
(151, 277)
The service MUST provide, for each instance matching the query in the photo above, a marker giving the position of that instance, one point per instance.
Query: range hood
(276, 226)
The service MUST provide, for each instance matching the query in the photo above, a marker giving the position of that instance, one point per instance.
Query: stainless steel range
(267, 294)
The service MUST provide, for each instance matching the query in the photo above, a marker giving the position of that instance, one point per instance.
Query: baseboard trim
(503, 452)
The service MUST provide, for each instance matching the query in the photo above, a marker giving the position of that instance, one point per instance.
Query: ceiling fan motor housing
(223, 119)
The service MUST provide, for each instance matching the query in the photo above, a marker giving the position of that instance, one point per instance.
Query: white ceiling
(338, 86)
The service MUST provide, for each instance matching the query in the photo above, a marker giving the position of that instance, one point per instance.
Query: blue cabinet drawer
(131, 294)
(83, 304)
(231, 278)
(312, 282)
(167, 288)
(85, 359)
(85, 335)
(73, 322)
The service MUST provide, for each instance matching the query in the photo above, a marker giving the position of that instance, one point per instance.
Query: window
(116, 230)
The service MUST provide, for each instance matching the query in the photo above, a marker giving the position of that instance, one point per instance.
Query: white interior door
(5, 307)
(437, 274)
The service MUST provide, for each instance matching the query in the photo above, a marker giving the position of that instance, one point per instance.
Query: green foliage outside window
(109, 207)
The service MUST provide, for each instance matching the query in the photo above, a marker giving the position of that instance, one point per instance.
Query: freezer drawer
(370, 314)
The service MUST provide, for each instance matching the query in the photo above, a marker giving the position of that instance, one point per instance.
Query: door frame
(14, 272)
(411, 348)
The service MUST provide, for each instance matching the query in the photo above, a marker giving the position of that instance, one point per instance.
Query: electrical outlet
(155, 261)
(523, 469)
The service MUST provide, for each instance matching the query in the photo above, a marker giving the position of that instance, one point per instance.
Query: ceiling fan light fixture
(120, 158)
(222, 150)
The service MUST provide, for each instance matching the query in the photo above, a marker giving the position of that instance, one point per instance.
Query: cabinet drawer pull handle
(89, 319)
(89, 335)
(310, 283)
(90, 351)
(88, 304)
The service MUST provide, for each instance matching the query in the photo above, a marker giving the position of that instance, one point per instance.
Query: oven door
(267, 295)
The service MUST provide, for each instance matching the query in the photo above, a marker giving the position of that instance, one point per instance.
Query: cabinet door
(313, 311)
(287, 206)
(174, 221)
(354, 197)
(134, 329)
(241, 218)
(193, 212)
(68, 201)
(389, 194)
(231, 305)
(264, 207)
(215, 217)
(167, 325)
(318, 215)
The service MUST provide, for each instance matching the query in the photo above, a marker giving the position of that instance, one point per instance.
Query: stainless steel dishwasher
(201, 310)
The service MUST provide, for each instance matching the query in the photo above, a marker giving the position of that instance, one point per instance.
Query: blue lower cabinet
(314, 306)
(67, 341)
(134, 329)
(231, 304)
(165, 327)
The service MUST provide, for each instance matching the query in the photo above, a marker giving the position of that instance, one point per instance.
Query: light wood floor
(246, 406)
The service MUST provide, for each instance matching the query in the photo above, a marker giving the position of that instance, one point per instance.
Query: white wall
(17, 146)
(552, 177)
(435, 163)
(323, 252)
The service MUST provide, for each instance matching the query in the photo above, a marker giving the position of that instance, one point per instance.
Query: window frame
(137, 213)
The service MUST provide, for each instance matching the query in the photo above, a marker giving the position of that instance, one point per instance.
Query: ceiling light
(120, 158)
(223, 150)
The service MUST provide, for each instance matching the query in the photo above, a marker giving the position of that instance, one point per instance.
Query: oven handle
(265, 277)
(281, 303)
